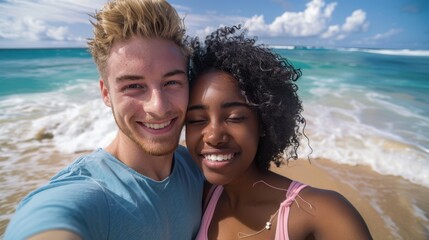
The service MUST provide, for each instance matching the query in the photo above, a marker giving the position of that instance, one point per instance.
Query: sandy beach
(387, 203)
(18, 179)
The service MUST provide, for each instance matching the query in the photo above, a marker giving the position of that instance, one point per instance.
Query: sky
(382, 24)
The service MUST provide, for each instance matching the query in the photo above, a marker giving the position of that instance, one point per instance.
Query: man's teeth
(157, 125)
(220, 157)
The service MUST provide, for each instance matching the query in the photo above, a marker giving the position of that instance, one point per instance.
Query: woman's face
(222, 131)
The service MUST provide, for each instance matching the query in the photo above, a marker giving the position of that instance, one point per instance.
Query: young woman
(243, 113)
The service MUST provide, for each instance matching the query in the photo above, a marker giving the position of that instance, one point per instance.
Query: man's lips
(157, 126)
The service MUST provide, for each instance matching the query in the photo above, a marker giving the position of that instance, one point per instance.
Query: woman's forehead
(218, 82)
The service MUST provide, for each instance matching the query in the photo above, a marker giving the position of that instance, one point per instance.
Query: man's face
(147, 89)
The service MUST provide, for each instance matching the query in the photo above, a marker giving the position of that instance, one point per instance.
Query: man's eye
(171, 83)
(133, 86)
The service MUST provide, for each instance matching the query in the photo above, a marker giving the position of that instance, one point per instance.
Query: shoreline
(389, 205)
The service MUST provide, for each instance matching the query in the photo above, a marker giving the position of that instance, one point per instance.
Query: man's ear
(105, 93)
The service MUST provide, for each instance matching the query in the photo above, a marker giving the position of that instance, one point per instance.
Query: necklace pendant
(268, 225)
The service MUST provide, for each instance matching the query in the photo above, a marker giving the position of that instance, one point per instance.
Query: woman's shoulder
(331, 214)
(324, 195)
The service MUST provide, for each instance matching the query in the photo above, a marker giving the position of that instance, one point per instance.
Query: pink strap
(282, 232)
(209, 196)
(282, 218)
(208, 213)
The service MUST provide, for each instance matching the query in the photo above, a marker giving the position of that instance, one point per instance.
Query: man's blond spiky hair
(123, 19)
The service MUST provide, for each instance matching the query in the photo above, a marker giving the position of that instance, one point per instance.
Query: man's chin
(159, 148)
(160, 152)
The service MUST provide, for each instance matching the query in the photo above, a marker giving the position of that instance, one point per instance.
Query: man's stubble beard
(155, 147)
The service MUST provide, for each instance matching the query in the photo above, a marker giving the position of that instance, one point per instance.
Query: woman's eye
(236, 119)
(195, 121)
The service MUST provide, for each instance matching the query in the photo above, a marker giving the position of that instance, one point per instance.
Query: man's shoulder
(85, 165)
(72, 188)
(183, 152)
(183, 156)
(67, 204)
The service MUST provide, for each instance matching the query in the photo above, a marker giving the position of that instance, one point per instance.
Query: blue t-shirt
(99, 197)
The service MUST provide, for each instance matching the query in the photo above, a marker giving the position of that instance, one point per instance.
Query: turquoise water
(367, 107)
(42, 70)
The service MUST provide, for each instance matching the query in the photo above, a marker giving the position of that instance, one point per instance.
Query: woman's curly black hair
(268, 82)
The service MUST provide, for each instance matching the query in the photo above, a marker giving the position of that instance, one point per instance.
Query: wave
(340, 135)
(399, 52)
(350, 125)
(282, 47)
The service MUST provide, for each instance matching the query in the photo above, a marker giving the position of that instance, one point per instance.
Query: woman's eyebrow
(223, 105)
(234, 104)
(196, 107)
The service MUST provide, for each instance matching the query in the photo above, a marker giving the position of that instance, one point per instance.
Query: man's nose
(158, 103)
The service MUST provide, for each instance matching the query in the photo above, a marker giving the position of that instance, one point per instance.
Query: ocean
(364, 107)
(367, 107)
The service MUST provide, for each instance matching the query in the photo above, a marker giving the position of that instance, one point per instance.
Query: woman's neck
(253, 188)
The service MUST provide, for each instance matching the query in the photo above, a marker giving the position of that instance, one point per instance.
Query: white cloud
(31, 29)
(203, 24)
(387, 34)
(256, 24)
(25, 28)
(311, 22)
(181, 8)
(58, 33)
(355, 22)
(63, 20)
(44, 19)
(66, 11)
(332, 31)
(206, 31)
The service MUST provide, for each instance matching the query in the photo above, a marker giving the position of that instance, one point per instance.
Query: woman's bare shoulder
(332, 215)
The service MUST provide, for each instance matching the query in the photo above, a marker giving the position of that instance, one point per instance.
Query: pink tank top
(282, 218)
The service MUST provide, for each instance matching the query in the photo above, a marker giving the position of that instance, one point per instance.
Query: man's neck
(127, 151)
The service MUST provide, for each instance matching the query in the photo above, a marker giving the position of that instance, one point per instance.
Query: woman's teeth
(219, 157)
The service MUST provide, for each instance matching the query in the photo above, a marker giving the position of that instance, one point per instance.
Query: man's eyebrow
(129, 77)
(140, 77)
(223, 105)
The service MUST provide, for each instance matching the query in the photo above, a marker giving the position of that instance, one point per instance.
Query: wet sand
(392, 207)
(20, 177)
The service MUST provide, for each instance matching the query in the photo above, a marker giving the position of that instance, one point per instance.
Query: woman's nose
(215, 135)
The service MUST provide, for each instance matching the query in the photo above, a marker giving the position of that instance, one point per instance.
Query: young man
(142, 185)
